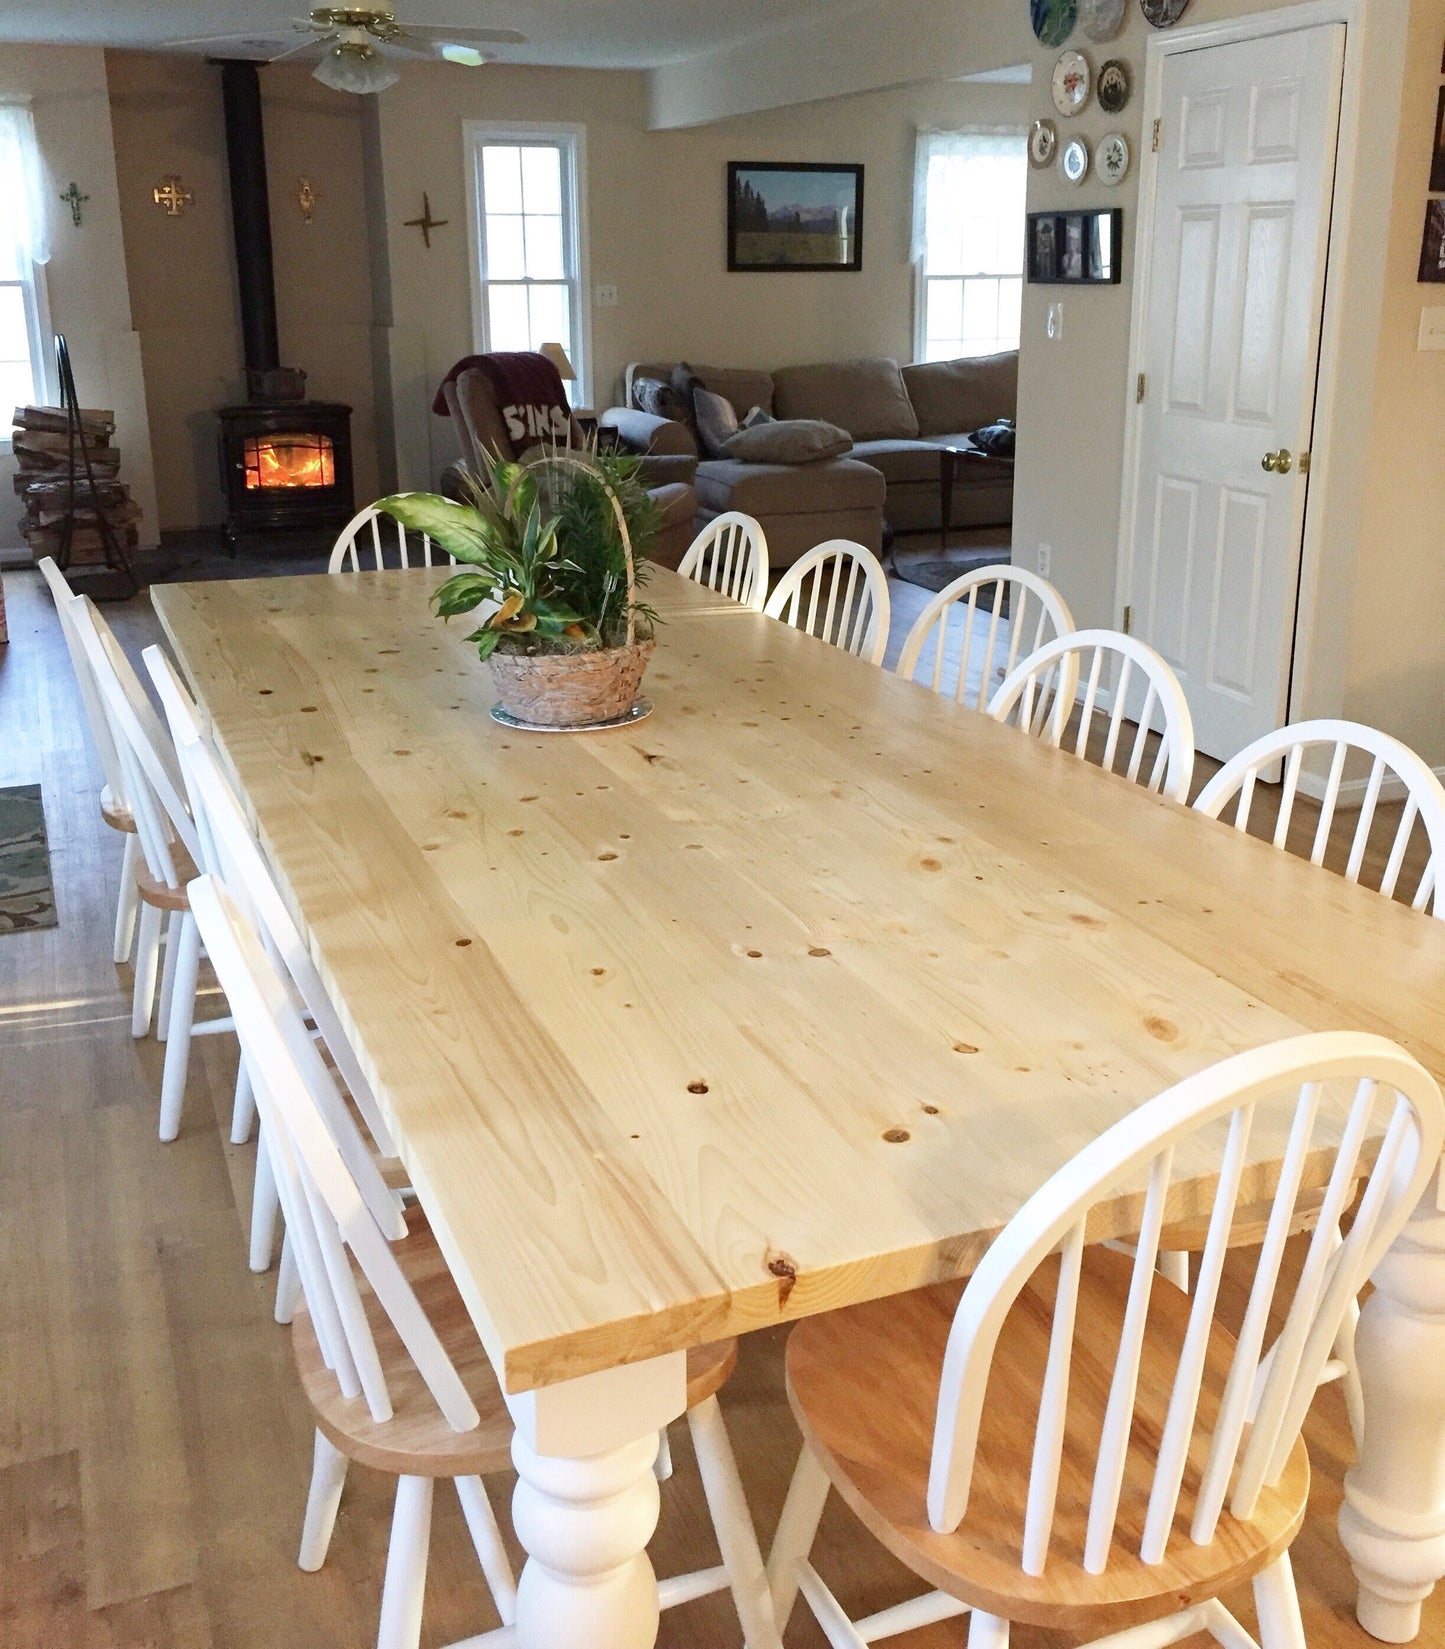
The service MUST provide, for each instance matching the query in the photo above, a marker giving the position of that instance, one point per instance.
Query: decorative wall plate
(1043, 139)
(1163, 14)
(1113, 86)
(1074, 162)
(1102, 19)
(1072, 83)
(1111, 160)
(1053, 20)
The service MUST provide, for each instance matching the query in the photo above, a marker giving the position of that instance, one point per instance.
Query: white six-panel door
(1236, 289)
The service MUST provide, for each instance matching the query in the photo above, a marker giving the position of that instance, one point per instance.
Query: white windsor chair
(955, 617)
(1039, 695)
(838, 592)
(364, 540)
(433, 1406)
(115, 806)
(1104, 1454)
(170, 852)
(730, 555)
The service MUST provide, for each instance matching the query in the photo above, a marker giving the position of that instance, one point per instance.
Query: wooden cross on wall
(426, 222)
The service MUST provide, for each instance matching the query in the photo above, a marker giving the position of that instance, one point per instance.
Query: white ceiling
(572, 33)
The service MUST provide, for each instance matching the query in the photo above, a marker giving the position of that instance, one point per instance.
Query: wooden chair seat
(864, 1383)
(155, 892)
(115, 813)
(417, 1441)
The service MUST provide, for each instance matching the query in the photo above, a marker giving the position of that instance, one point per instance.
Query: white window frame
(572, 141)
(921, 278)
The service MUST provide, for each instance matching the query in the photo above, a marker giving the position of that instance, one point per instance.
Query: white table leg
(586, 1504)
(1393, 1520)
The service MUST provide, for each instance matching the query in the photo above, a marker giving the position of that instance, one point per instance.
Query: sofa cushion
(788, 441)
(900, 460)
(866, 397)
(717, 423)
(788, 489)
(963, 394)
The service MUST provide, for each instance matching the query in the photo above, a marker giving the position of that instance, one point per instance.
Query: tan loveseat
(898, 418)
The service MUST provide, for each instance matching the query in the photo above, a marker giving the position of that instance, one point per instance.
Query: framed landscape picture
(794, 215)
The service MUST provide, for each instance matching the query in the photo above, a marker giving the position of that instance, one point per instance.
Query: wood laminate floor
(154, 1446)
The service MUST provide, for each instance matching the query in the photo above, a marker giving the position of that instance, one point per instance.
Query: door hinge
(1158, 129)
(1139, 389)
(1128, 621)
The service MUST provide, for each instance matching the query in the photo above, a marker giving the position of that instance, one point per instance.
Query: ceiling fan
(358, 45)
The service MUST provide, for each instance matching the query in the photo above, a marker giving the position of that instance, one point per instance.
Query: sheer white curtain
(968, 241)
(24, 238)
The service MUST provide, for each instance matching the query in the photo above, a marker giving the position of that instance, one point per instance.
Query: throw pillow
(996, 439)
(661, 400)
(716, 421)
(684, 382)
(756, 415)
(789, 441)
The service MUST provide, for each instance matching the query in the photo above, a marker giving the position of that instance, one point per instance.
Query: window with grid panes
(969, 241)
(21, 376)
(527, 204)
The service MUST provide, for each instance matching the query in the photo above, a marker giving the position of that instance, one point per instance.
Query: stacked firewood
(42, 452)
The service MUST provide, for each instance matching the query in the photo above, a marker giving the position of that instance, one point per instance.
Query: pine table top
(781, 999)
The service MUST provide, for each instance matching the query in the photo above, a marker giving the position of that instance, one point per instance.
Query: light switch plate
(1054, 321)
(606, 297)
(1432, 327)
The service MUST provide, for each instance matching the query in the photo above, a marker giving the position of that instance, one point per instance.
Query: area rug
(938, 575)
(27, 898)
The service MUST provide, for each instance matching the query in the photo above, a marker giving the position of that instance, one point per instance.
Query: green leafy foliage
(543, 537)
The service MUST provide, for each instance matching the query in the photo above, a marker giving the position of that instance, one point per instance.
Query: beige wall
(1373, 648)
(656, 227)
(85, 279)
(167, 117)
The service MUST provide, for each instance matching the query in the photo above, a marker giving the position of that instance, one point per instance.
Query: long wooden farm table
(783, 998)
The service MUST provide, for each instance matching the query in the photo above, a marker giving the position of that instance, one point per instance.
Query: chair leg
(127, 900)
(187, 949)
(1277, 1606)
(733, 1524)
(265, 1207)
(243, 1106)
(147, 945)
(491, 1552)
(288, 1284)
(405, 1584)
(662, 1466)
(797, 1529)
(328, 1478)
(168, 973)
(987, 1631)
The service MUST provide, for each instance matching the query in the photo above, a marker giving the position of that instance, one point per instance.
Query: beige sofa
(898, 418)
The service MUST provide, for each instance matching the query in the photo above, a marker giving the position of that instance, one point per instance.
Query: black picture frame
(1076, 248)
(1437, 154)
(827, 206)
(1432, 243)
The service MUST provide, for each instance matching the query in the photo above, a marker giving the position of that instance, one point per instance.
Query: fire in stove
(288, 460)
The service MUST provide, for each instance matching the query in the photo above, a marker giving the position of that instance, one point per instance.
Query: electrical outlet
(606, 297)
(1045, 558)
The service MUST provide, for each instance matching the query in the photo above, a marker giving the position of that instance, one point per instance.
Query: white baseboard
(1352, 791)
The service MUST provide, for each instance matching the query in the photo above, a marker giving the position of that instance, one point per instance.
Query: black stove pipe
(250, 213)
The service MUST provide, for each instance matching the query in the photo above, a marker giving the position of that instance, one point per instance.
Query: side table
(960, 466)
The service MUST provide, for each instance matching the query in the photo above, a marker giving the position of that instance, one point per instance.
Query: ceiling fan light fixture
(350, 67)
(466, 55)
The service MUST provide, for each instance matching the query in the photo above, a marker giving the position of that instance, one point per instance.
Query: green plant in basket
(554, 541)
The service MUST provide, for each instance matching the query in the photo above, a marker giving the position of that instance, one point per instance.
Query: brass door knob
(1277, 462)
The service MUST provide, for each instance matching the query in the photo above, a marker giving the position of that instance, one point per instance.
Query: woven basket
(576, 689)
(570, 689)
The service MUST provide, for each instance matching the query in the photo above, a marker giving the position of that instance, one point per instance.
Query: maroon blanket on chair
(529, 393)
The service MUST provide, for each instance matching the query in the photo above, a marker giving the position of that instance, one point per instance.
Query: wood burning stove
(284, 466)
(285, 462)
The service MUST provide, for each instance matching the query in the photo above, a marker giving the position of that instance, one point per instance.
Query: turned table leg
(1393, 1520)
(586, 1504)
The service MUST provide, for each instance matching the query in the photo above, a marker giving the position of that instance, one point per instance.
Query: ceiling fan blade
(321, 40)
(254, 38)
(465, 37)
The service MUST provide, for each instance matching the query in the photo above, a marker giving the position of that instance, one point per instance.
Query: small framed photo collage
(1432, 241)
(1075, 248)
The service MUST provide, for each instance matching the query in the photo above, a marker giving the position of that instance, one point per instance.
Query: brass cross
(426, 222)
(172, 195)
(74, 199)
